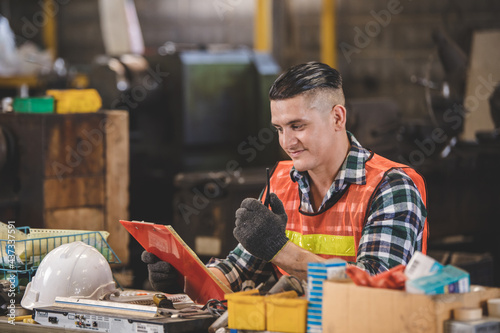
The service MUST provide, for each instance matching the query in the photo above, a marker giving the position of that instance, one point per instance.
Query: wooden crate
(67, 171)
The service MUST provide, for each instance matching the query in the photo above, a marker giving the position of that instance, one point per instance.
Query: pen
(266, 201)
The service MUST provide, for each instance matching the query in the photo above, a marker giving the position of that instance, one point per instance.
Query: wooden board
(85, 218)
(74, 192)
(74, 145)
(117, 181)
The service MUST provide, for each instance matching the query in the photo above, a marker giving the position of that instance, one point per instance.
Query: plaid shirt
(393, 231)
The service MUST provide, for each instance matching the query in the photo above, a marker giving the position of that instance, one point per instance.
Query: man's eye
(279, 130)
(297, 127)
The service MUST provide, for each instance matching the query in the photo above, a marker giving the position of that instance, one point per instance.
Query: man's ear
(339, 117)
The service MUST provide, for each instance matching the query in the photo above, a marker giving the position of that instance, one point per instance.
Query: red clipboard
(162, 240)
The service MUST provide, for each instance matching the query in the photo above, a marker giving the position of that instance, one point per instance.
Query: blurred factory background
(194, 139)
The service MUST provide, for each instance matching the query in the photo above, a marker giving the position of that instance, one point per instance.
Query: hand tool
(162, 301)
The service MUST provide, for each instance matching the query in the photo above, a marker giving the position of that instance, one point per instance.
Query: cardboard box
(349, 308)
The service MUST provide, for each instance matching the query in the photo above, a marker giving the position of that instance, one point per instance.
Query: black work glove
(260, 230)
(162, 276)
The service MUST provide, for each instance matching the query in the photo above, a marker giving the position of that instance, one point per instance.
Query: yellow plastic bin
(286, 314)
(247, 310)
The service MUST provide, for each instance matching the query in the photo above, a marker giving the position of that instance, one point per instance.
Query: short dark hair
(304, 77)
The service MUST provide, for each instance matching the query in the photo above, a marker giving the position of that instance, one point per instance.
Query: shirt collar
(352, 170)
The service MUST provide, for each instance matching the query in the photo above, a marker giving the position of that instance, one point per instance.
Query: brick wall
(399, 44)
(377, 54)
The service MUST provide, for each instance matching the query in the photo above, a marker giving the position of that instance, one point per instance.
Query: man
(333, 199)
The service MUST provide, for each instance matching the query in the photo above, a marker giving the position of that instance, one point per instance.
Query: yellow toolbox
(286, 314)
(282, 312)
(246, 310)
(76, 100)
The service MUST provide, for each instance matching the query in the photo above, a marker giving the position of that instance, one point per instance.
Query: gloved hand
(162, 276)
(260, 230)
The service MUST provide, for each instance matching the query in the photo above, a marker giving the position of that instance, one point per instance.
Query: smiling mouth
(295, 153)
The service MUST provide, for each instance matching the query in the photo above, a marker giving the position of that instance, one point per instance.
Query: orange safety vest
(336, 231)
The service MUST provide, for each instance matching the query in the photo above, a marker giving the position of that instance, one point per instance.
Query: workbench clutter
(354, 308)
(23, 249)
(380, 303)
(422, 275)
(60, 101)
(74, 288)
(32, 274)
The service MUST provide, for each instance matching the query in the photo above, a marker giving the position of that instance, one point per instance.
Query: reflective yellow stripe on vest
(324, 244)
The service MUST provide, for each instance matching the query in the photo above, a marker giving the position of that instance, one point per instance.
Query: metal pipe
(49, 29)
(328, 36)
(263, 26)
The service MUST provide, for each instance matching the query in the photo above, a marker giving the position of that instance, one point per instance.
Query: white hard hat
(70, 270)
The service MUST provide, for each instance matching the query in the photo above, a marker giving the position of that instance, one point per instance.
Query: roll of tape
(466, 314)
(494, 307)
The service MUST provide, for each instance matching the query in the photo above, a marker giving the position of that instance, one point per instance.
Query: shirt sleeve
(395, 224)
(240, 266)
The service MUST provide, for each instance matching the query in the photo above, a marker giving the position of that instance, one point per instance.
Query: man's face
(306, 130)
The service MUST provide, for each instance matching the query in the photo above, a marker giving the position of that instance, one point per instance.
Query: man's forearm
(218, 274)
(293, 259)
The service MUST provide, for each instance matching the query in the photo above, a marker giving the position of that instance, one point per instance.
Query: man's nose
(288, 139)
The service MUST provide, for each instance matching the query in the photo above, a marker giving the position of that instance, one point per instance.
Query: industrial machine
(193, 113)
